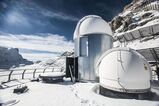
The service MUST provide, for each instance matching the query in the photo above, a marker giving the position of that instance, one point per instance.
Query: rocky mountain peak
(10, 57)
(137, 13)
(137, 5)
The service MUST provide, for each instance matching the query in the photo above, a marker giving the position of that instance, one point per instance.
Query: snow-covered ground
(66, 94)
(138, 44)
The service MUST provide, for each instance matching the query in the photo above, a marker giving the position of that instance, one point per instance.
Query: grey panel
(121, 38)
(155, 29)
(95, 48)
(146, 31)
(139, 33)
(157, 51)
(149, 54)
(136, 34)
(76, 47)
(97, 44)
(128, 36)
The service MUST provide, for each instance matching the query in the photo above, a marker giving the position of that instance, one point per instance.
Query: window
(84, 46)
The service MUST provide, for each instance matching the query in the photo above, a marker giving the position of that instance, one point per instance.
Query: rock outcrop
(10, 57)
(137, 13)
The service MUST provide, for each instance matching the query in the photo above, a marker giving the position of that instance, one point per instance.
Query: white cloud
(50, 13)
(58, 15)
(15, 18)
(48, 43)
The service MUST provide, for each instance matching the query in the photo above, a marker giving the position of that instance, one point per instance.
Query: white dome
(124, 70)
(92, 24)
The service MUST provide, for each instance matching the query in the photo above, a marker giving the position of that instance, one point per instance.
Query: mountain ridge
(10, 57)
(136, 14)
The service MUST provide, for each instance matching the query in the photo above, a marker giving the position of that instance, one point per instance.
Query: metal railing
(23, 72)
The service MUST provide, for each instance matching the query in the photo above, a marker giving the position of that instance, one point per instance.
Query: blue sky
(45, 27)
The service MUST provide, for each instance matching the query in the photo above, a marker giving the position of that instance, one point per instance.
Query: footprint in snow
(84, 101)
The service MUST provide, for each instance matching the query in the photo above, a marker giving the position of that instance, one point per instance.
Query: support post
(34, 73)
(23, 73)
(72, 78)
(9, 77)
(44, 70)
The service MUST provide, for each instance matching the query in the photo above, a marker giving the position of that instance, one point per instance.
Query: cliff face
(137, 5)
(138, 13)
(10, 57)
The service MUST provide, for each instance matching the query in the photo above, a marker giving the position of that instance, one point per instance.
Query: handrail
(24, 71)
(36, 68)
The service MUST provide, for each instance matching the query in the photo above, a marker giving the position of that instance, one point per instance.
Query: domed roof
(124, 70)
(92, 24)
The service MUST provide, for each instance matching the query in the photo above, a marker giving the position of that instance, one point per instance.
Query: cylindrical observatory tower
(92, 37)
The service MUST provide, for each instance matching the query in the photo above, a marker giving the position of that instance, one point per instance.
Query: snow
(137, 18)
(54, 74)
(137, 44)
(154, 3)
(33, 66)
(143, 45)
(60, 94)
(67, 94)
(41, 94)
(141, 13)
(79, 94)
(153, 23)
(143, 36)
(125, 13)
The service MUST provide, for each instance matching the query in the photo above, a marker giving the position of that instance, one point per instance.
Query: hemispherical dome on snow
(124, 70)
(92, 24)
